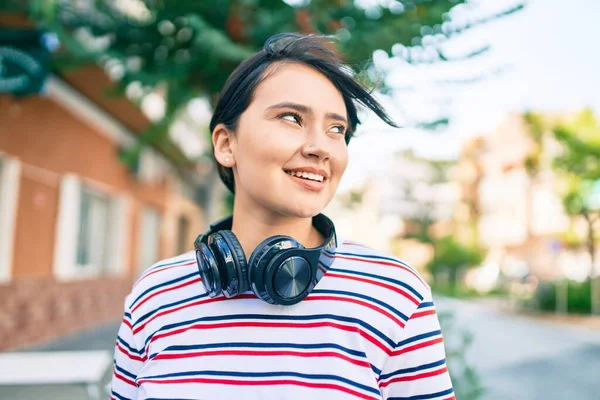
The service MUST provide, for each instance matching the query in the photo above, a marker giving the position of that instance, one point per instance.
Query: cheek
(274, 146)
(261, 150)
(341, 161)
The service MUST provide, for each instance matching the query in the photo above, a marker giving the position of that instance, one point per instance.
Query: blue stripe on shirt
(381, 278)
(364, 297)
(414, 369)
(282, 318)
(313, 346)
(419, 337)
(274, 374)
(424, 396)
(153, 288)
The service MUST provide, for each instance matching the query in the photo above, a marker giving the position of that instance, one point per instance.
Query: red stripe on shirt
(124, 379)
(260, 353)
(195, 303)
(195, 280)
(370, 261)
(271, 325)
(163, 269)
(359, 302)
(417, 346)
(355, 244)
(422, 314)
(414, 377)
(126, 322)
(381, 284)
(129, 355)
(260, 383)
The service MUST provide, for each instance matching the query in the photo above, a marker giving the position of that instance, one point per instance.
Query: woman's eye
(291, 117)
(339, 129)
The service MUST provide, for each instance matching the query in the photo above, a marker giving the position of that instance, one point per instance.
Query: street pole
(593, 204)
(595, 289)
(562, 285)
(562, 296)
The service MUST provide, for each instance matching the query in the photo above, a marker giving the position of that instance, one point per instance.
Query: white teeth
(307, 175)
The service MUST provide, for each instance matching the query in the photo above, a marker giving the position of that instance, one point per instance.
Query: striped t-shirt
(368, 330)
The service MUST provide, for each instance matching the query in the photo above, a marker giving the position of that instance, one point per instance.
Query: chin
(306, 213)
(305, 209)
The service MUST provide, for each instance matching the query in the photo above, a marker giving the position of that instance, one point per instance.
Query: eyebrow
(307, 110)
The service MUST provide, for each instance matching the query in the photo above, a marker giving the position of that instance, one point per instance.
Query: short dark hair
(314, 51)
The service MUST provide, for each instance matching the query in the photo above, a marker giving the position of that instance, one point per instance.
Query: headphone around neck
(280, 270)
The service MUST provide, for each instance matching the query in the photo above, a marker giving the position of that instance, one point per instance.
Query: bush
(460, 291)
(579, 298)
(465, 292)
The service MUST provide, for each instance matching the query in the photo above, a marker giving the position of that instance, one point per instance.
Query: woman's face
(288, 153)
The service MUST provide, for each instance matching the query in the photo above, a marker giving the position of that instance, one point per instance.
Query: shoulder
(166, 275)
(382, 265)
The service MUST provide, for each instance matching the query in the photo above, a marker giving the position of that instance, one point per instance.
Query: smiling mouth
(307, 176)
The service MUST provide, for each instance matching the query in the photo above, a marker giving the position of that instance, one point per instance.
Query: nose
(316, 148)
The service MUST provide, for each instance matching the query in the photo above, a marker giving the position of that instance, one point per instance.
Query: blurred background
(491, 188)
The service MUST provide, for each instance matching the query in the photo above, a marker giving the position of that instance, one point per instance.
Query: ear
(223, 143)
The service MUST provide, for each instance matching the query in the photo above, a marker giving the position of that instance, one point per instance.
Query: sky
(550, 53)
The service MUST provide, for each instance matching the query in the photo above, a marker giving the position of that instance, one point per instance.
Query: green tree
(188, 48)
(537, 128)
(578, 168)
(450, 257)
(579, 165)
(580, 138)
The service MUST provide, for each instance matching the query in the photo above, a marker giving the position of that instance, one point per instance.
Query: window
(92, 231)
(94, 223)
(149, 238)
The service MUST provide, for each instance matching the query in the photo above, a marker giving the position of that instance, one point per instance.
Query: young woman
(272, 304)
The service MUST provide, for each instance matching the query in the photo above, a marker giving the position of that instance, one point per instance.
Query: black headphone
(280, 270)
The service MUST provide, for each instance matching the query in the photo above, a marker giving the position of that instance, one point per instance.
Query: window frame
(10, 178)
(66, 265)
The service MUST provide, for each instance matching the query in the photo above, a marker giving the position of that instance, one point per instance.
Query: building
(77, 225)
(392, 206)
(514, 212)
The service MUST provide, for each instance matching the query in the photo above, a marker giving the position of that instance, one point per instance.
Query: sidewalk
(99, 338)
(587, 322)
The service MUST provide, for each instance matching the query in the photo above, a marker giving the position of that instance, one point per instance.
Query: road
(517, 357)
(522, 358)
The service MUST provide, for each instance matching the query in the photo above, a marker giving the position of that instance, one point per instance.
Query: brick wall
(33, 311)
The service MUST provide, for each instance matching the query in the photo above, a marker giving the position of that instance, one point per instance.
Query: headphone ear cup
(257, 266)
(239, 258)
(208, 269)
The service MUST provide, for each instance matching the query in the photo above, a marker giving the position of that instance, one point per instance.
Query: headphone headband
(321, 222)
(280, 270)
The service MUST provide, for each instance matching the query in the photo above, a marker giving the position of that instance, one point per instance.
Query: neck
(251, 227)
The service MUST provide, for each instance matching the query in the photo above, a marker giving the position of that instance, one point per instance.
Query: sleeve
(127, 362)
(417, 367)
